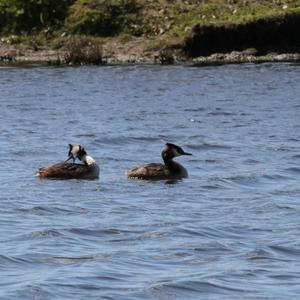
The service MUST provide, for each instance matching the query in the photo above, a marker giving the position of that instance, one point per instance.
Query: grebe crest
(169, 170)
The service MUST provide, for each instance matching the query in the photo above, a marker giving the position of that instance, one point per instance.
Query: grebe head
(74, 150)
(171, 150)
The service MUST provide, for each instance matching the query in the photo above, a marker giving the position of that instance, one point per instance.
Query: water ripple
(229, 231)
(75, 260)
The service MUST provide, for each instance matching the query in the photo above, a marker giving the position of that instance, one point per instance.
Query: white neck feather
(89, 160)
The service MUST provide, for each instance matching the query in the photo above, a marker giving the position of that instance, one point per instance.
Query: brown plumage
(155, 172)
(88, 170)
(69, 171)
(169, 170)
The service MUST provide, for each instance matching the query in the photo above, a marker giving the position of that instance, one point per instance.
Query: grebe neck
(167, 158)
(88, 160)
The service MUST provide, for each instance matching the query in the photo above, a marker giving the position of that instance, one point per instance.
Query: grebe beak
(70, 157)
(185, 153)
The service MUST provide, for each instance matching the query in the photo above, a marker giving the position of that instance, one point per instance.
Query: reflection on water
(230, 231)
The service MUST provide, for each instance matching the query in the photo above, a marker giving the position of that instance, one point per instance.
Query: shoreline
(202, 45)
(225, 34)
(56, 58)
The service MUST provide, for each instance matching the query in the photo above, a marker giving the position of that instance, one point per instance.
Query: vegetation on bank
(50, 22)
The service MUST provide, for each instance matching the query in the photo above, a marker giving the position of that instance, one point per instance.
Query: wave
(194, 109)
(288, 207)
(278, 253)
(245, 180)
(12, 260)
(274, 177)
(251, 161)
(286, 250)
(259, 255)
(47, 210)
(208, 146)
(95, 232)
(212, 247)
(146, 138)
(293, 140)
(220, 113)
(286, 277)
(212, 186)
(66, 260)
(88, 135)
(206, 232)
(191, 289)
(45, 233)
(293, 170)
(142, 237)
(255, 179)
(117, 140)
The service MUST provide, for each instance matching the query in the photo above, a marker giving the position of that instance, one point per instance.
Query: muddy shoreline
(52, 57)
(136, 52)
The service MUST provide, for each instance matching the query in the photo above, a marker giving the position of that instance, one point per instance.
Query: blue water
(229, 231)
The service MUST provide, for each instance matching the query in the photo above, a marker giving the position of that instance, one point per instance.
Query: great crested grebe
(169, 170)
(88, 170)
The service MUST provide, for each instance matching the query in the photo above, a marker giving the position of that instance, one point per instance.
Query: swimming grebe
(88, 170)
(169, 170)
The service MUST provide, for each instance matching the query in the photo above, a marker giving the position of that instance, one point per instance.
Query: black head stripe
(175, 147)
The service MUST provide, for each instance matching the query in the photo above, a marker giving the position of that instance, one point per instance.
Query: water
(229, 231)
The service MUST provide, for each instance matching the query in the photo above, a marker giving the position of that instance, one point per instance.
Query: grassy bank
(155, 23)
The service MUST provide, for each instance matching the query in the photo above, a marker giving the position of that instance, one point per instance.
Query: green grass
(162, 21)
(227, 12)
